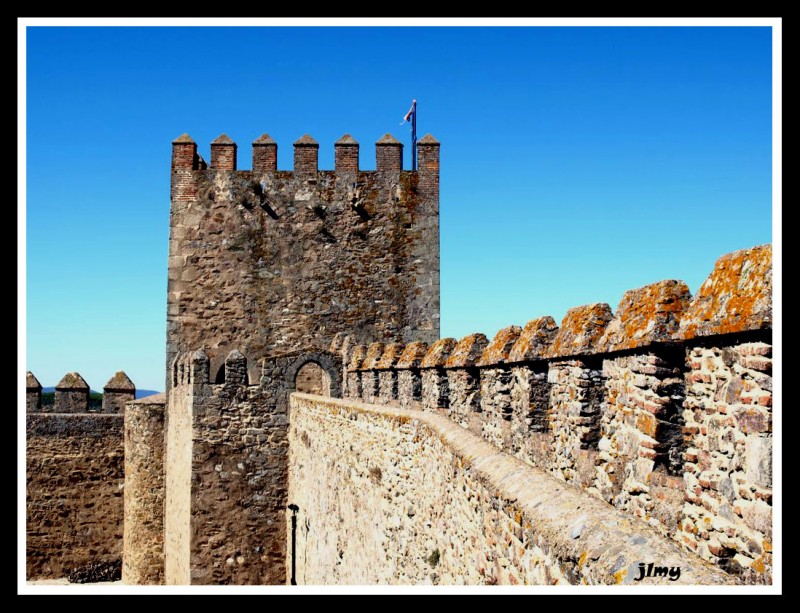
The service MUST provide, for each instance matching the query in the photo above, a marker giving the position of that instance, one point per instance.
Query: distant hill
(143, 393)
(139, 393)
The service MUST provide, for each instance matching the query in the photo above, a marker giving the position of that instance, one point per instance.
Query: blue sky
(577, 162)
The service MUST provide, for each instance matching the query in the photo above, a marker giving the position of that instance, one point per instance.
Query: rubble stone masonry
(143, 543)
(393, 496)
(74, 477)
(662, 409)
(268, 260)
(226, 467)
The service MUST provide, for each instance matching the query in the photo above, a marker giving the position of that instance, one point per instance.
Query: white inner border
(777, 193)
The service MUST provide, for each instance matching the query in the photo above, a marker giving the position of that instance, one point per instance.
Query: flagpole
(414, 135)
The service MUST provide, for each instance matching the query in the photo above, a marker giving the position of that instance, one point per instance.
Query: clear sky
(576, 163)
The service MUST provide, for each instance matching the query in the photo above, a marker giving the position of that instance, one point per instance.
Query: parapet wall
(75, 476)
(662, 408)
(386, 495)
(72, 394)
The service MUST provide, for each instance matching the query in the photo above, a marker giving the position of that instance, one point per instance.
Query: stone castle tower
(268, 261)
(272, 274)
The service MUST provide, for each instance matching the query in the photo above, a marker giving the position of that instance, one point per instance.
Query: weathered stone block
(759, 460)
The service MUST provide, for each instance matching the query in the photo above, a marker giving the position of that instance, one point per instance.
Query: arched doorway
(311, 378)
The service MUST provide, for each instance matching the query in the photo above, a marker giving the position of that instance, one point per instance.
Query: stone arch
(325, 365)
(311, 378)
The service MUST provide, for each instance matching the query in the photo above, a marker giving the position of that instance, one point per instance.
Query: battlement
(74, 455)
(72, 394)
(662, 408)
(412, 355)
(736, 300)
(388, 155)
(438, 353)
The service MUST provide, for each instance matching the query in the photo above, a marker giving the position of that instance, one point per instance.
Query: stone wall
(117, 393)
(464, 383)
(72, 395)
(143, 542)
(393, 496)
(74, 477)
(529, 423)
(226, 467)
(662, 409)
(435, 385)
(576, 398)
(642, 431)
(33, 393)
(268, 261)
(178, 464)
(409, 377)
(727, 516)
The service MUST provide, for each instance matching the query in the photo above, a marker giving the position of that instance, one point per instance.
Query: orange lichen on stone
(374, 354)
(581, 330)
(736, 297)
(439, 352)
(119, 383)
(72, 381)
(536, 338)
(391, 354)
(649, 314)
(497, 351)
(468, 351)
(412, 355)
(357, 356)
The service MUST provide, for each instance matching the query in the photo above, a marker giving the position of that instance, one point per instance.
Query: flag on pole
(410, 113)
(412, 117)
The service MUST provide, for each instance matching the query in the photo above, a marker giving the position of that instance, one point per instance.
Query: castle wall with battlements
(75, 476)
(316, 428)
(662, 409)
